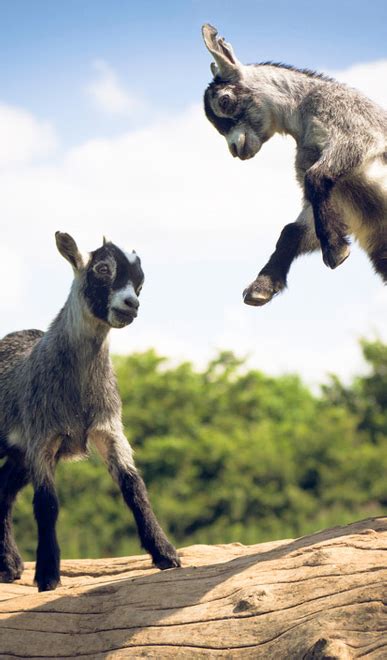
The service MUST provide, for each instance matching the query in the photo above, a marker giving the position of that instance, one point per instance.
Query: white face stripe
(118, 297)
(131, 257)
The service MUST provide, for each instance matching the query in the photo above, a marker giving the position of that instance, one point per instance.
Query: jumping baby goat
(58, 395)
(341, 160)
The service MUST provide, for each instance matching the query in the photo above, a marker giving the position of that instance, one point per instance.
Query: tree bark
(320, 596)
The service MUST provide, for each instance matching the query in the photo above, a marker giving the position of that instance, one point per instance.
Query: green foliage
(366, 398)
(230, 454)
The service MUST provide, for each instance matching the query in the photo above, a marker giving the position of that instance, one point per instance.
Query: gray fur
(58, 395)
(341, 160)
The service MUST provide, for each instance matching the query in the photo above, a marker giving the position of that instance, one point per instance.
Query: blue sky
(102, 131)
(47, 47)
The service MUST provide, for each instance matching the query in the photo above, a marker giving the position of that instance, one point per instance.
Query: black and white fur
(341, 160)
(58, 396)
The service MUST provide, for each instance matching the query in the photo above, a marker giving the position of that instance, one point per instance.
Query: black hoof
(168, 562)
(11, 568)
(261, 291)
(47, 580)
(166, 558)
(10, 576)
(48, 585)
(334, 256)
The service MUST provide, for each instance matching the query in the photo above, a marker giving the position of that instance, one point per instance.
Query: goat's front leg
(13, 477)
(296, 238)
(330, 227)
(117, 453)
(46, 509)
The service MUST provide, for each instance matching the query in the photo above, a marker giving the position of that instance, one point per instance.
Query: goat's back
(15, 346)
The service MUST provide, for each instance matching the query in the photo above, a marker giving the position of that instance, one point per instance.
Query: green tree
(229, 454)
(366, 397)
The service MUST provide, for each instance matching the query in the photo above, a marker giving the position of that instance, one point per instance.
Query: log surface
(320, 596)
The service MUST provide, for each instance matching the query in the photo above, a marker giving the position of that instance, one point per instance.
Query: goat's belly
(364, 214)
(358, 228)
(353, 218)
(72, 446)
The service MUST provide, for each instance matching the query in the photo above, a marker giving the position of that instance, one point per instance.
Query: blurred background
(248, 424)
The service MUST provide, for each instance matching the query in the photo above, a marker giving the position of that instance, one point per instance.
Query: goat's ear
(227, 66)
(69, 250)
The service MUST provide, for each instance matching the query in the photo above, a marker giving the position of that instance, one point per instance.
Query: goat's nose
(233, 149)
(132, 302)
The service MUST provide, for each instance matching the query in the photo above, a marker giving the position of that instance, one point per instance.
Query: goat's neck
(283, 90)
(79, 332)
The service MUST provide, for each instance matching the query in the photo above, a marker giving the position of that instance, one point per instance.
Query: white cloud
(108, 93)
(203, 224)
(369, 78)
(22, 137)
(11, 278)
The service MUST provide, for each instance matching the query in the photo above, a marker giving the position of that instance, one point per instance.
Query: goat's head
(109, 280)
(238, 113)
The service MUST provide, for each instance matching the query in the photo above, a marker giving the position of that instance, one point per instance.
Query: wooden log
(320, 596)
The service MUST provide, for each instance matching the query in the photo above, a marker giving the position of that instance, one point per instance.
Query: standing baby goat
(341, 161)
(58, 395)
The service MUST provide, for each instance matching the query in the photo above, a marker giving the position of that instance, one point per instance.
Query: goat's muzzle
(122, 317)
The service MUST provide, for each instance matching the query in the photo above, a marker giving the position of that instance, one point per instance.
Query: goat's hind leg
(13, 477)
(118, 455)
(296, 238)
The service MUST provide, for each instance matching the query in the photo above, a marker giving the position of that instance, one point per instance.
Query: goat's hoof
(261, 291)
(11, 568)
(48, 584)
(168, 562)
(167, 559)
(47, 580)
(10, 576)
(334, 255)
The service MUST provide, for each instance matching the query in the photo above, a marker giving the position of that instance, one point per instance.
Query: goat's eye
(102, 269)
(225, 102)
